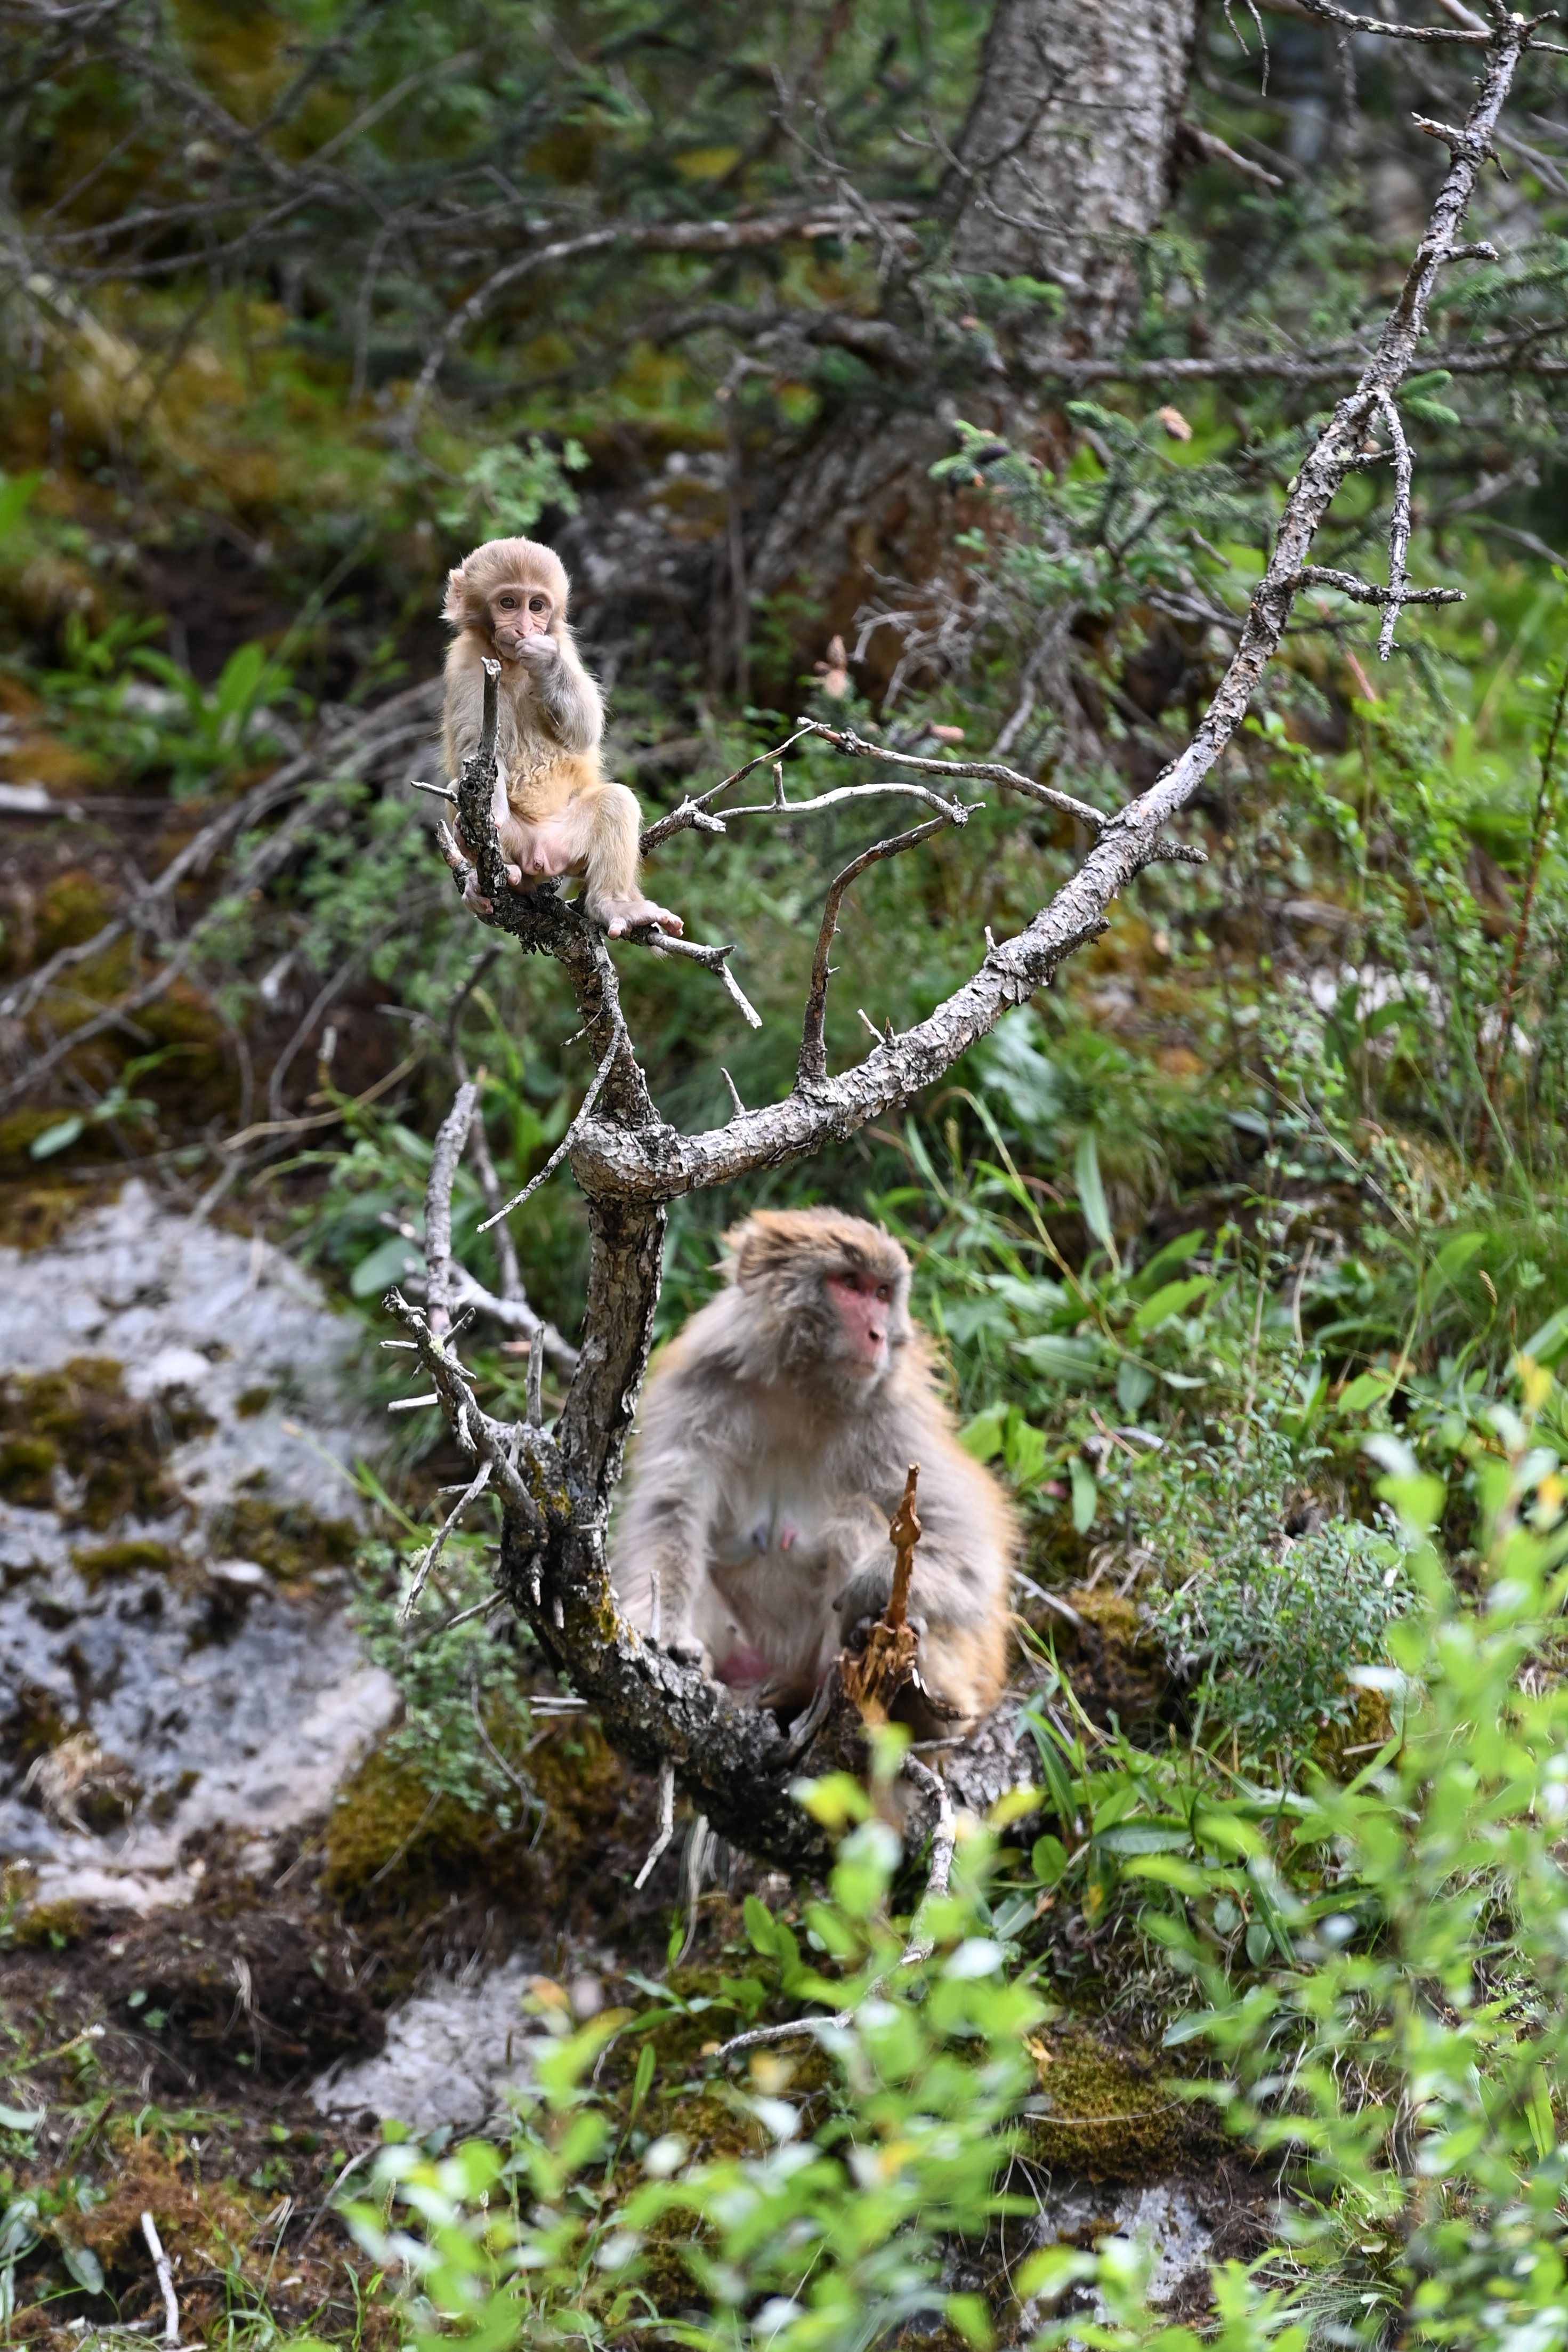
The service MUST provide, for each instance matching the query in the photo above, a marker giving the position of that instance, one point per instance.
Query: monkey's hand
(540, 652)
(473, 898)
(864, 1599)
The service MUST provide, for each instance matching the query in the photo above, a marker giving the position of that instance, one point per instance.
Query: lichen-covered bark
(1064, 164)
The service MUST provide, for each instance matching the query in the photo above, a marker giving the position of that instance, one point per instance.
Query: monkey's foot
(620, 916)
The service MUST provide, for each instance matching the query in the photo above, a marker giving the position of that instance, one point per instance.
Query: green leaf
(1545, 1347)
(1190, 2028)
(1538, 2113)
(1078, 1360)
(1025, 1451)
(1086, 1494)
(1456, 1255)
(1134, 1386)
(1367, 1389)
(1092, 1192)
(57, 1138)
(1171, 1298)
(1048, 1859)
(642, 2079)
(81, 2262)
(1164, 1264)
(386, 1264)
(968, 2316)
(1145, 1837)
(16, 496)
(982, 1437)
(239, 681)
(22, 2118)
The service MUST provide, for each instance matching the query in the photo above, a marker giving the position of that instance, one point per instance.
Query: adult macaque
(775, 1437)
(555, 813)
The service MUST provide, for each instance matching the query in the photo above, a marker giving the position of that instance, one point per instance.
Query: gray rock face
(451, 2054)
(141, 1703)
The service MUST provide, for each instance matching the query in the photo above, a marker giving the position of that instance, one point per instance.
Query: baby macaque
(774, 1439)
(555, 813)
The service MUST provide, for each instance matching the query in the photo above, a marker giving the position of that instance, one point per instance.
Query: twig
(692, 813)
(164, 2269)
(955, 811)
(1399, 531)
(712, 958)
(536, 1413)
(437, 1545)
(642, 236)
(922, 1938)
(450, 1139)
(323, 1117)
(666, 1825)
(1367, 591)
(466, 1616)
(475, 1431)
(585, 1109)
(813, 1062)
(988, 771)
(511, 1314)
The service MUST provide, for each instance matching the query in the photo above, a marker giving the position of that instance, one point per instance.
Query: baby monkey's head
(509, 590)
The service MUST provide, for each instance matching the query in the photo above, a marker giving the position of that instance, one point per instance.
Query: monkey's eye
(885, 1292)
(507, 602)
(538, 604)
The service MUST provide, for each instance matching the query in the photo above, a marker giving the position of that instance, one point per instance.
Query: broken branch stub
(887, 1665)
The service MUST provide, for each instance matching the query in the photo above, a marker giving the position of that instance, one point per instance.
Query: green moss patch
(47, 1927)
(287, 1538)
(27, 1471)
(1117, 1667)
(97, 1562)
(1110, 2114)
(82, 1419)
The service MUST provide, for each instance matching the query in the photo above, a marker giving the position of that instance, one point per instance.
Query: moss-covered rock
(290, 1539)
(112, 1445)
(1109, 2112)
(1115, 1665)
(47, 1927)
(97, 1562)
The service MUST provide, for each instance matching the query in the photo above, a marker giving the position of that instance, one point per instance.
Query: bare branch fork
(736, 1765)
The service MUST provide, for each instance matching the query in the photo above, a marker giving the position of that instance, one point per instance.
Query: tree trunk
(1064, 164)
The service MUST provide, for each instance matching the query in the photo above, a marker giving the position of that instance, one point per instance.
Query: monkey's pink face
(864, 1305)
(517, 613)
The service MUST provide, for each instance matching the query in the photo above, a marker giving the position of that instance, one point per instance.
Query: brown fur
(554, 812)
(753, 1534)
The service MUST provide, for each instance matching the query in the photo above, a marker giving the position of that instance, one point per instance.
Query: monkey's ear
(455, 608)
